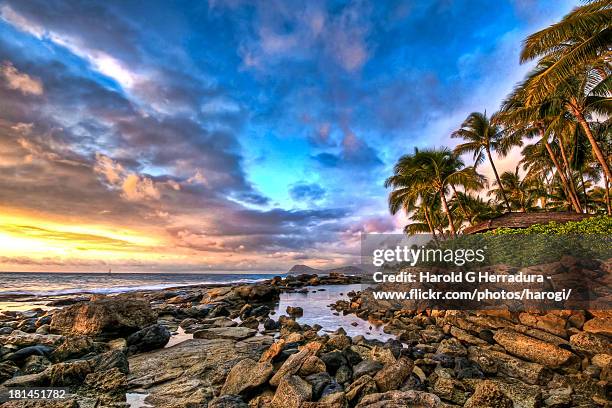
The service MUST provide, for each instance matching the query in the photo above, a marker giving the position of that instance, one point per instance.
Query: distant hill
(346, 270)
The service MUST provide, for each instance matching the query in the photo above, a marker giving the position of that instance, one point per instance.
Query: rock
(105, 317)
(366, 367)
(67, 403)
(250, 322)
(21, 339)
(338, 342)
(452, 347)
(488, 395)
(21, 354)
(111, 359)
(112, 381)
(319, 382)
(34, 364)
(400, 399)
(270, 324)
(147, 339)
(494, 362)
(295, 311)
(257, 293)
(311, 365)
(450, 389)
(68, 373)
(233, 333)
(382, 355)
(361, 387)
(591, 343)
(260, 311)
(227, 401)
(192, 372)
(393, 375)
(246, 376)
(559, 398)
(532, 349)
(334, 360)
(599, 325)
(550, 323)
(118, 344)
(273, 351)
(293, 364)
(73, 347)
(222, 321)
(292, 391)
(344, 374)
(7, 370)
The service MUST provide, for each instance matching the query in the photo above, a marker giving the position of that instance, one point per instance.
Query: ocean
(16, 284)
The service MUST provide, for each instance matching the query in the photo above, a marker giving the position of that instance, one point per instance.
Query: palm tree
(435, 170)
(521, 193)
(582, 38)
(482, 137)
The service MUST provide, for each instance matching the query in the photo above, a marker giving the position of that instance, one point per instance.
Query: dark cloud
(306, 192)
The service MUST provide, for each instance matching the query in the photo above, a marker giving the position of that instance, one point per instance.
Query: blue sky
(260, 131)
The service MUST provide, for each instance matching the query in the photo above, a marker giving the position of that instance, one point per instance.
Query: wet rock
(532, 349)
(366, 367)
(270, 324)
(591, 343)
(260, 311)
(257, 293)
(292, 391)
(73, 347)
(147, 339)
(295, 311)
(233, 333)
(105, 317)
(228, 401)
(393, 375)
(400, 399)
(338, 342)
(246, 376)
(488, 395)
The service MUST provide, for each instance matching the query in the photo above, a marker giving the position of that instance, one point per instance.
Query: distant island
(345, 270)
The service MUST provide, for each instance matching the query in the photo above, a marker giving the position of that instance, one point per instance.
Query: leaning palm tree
(582, 38)
(482, 136)
(583, 95)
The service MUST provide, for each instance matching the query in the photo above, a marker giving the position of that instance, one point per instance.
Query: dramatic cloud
(234, 134)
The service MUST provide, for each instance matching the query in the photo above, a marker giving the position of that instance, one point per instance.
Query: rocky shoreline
(242, 355)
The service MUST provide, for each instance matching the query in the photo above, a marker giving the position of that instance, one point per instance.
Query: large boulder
(532, 349)
(393, 375)
(147, 339)
(106, 317)
(246, 376)
(488, 395)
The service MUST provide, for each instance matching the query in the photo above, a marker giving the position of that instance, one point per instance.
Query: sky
(229, 134)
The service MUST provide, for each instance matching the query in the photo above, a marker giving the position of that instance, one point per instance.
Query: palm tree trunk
(607, 192)
(461, 207)
(429, 224)
(564, 181)
(586, 197)
(501, 187)
(596, 150)
(570, 180)
(448, 214)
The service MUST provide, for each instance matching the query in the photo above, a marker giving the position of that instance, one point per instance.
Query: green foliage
(594, 225)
